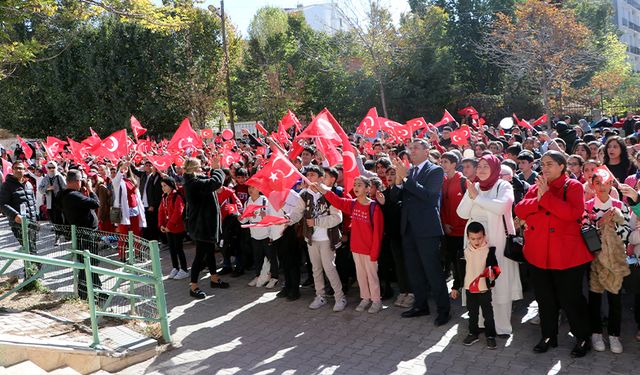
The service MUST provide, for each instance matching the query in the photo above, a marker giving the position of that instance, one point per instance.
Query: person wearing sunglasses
(50, 187)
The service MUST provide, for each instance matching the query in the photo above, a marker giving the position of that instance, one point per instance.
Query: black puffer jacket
(13, 195)
(203, 209)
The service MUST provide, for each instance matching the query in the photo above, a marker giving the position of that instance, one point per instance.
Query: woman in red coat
(556, 252)
(170, 222)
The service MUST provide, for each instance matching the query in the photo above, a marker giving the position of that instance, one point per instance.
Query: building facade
(627, 17)
(324, 17)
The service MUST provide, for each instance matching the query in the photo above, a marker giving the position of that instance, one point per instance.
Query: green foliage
(115, 69)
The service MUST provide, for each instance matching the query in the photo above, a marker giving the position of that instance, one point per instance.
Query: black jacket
(79, 209)
(203, 209)
(392, 212)
(154, 189)
(13, 195)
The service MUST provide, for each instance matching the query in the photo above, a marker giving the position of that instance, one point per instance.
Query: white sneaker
(317, 303)
(400, 300)
(597, 342)
(615, 344)
(271, 283)
(340, 304)
(375, 307)
(263, 280)
(181, 275)
(253, 282)
(173, 273)
(364, 304)
(535, 320)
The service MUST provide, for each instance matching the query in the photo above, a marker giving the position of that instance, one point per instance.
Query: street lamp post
(226, 62)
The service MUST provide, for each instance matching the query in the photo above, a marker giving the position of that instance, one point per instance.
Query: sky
(242, 11)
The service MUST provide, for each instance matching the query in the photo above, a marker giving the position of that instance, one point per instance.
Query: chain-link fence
(124, 269)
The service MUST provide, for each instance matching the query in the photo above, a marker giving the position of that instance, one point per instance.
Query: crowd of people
(422, 212)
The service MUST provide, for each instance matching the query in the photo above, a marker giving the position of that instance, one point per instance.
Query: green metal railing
(137, 279)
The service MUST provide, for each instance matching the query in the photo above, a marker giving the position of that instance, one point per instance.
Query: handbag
(591, 238)
(513, 248)
(115, 213)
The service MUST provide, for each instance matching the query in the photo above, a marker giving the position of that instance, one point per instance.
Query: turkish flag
(267, 221)
(185, 137)
(114, 146)
(369, 125)
(329, 151)
(207, 133)
(296, 150)
(368, 148)
(416, 123)
(229, 158)
(251, 210)
(289, 120)
(261, 129)
(481, 121)
(144, 145)
(161, 162)
(28, 152)
(6, 168)
(77, 150)
(91, 140)
(469, 111)
(460, 137)
(54, 146)
(276, 179)
(282, 133)
(604, 173)
(321, 127)
(490, 273)
(522, 123)
(349, 167)
(446, 118)
(541, 120)
(136, 127)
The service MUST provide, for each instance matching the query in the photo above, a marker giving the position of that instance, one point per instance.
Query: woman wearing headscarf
(556, 252)
(489, 202)
(203, 221)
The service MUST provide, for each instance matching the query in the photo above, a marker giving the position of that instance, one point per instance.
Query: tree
(543, 44)
(378, 38)
(25, 36)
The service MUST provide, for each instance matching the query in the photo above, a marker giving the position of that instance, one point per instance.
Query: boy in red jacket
(367, 225)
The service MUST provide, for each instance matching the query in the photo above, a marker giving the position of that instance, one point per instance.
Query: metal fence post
(92, 299)
(26, 246)
(160, 297)
(132, 256)
(74, 246)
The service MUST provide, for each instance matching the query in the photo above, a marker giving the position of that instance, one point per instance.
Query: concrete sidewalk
(246, 330)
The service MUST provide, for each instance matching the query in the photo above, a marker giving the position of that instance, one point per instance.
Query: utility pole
(226, 62)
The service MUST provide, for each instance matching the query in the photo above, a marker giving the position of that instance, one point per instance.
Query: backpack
(372, 208)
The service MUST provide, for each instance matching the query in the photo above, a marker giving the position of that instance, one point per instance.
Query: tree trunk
(382, 96)
(545, 102)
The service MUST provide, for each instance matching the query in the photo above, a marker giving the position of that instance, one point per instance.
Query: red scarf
(494, 164)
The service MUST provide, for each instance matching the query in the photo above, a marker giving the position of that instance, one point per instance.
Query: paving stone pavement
(246, 330)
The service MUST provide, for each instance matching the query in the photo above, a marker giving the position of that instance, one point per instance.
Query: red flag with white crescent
(185, 137)
(54, 146)
(112, 147)
(369, 125)
(6, 168)
(276, 179)
(161, 162)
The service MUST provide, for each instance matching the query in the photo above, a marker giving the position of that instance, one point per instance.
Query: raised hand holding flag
(276, 179)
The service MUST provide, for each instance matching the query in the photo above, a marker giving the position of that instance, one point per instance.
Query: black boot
(581, 349)
(545, 344)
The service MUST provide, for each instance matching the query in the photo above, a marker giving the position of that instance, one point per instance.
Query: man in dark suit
(151, 195)
(422, 231)
(79, 203)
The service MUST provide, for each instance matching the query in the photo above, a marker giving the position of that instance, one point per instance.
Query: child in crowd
(481, 271)
(367, 225)
(260, 240)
